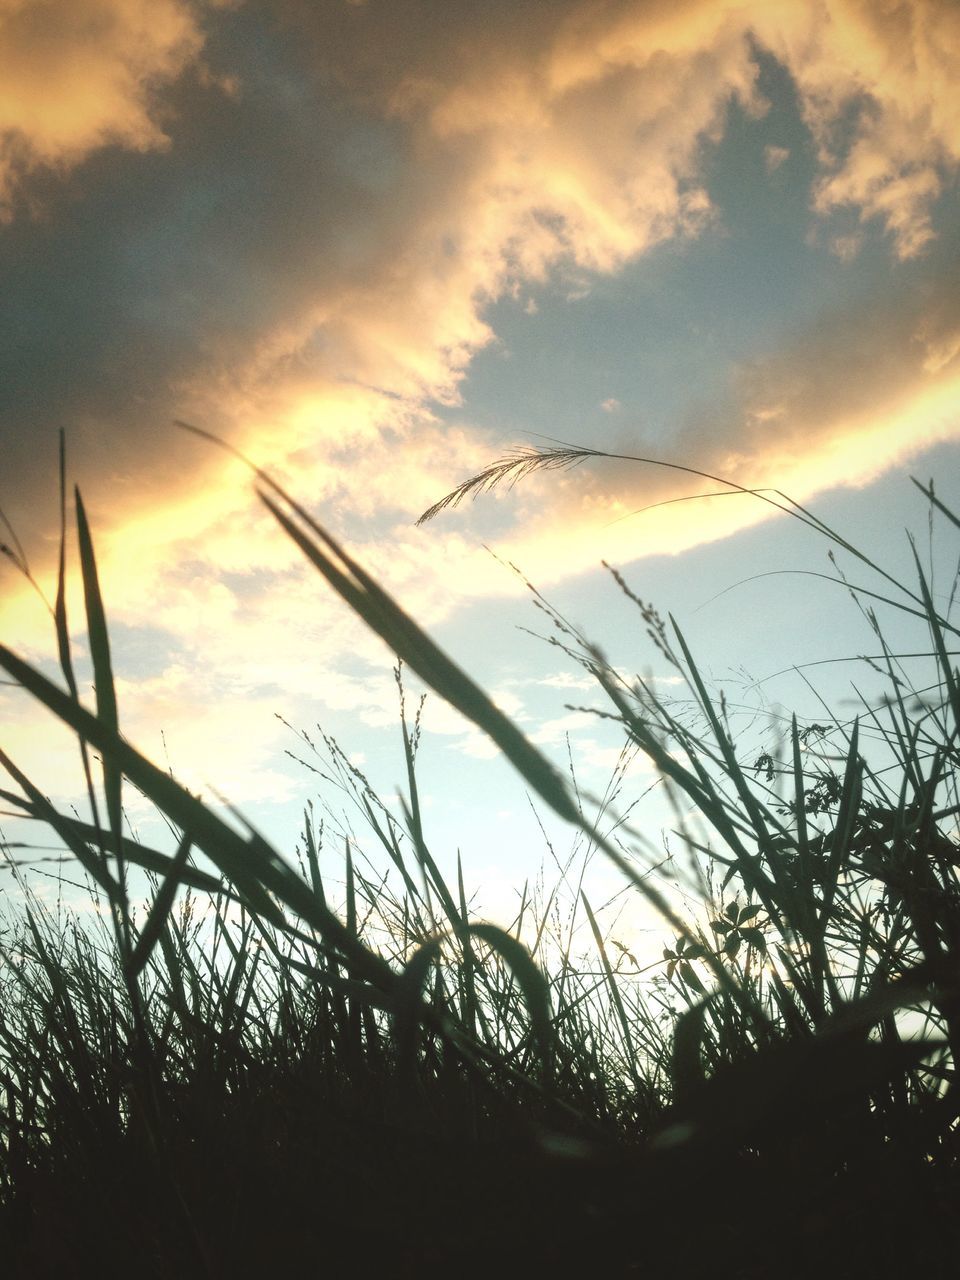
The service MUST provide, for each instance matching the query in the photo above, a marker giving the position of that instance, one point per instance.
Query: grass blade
(162, 904)
(106, 698)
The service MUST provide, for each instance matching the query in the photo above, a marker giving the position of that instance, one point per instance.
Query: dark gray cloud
(141, 272)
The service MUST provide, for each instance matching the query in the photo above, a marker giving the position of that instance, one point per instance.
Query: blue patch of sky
(142, 653)
(661, 336)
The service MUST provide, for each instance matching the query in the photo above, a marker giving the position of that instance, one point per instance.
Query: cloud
(344, 217)
(305, 266)
(612, 405)
(866, 388)
(78, 75)
(877, 86)
(567, 680)
(846, 247)
(774, 156)
(306, 263)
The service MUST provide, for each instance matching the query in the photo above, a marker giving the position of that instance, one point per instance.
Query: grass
(265, 1070)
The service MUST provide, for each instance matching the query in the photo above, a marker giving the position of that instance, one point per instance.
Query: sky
(375, 246)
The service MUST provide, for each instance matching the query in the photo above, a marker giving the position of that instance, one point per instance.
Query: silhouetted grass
(265, 1072)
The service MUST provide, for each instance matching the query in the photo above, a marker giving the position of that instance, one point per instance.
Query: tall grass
(265, 1069)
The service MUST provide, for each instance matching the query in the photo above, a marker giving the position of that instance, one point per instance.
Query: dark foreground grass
(263, 1072)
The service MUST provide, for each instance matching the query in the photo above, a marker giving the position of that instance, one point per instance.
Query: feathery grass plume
(511, 468)
(560, 456)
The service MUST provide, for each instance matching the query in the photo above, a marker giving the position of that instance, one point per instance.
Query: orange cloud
(894, 69)
(77, 75)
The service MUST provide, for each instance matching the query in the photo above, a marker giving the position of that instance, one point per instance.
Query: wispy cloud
(774, 157)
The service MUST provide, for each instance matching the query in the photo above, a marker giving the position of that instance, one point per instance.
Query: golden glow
(76, 75)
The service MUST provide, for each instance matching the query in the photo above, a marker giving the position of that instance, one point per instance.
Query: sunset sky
(375, 245)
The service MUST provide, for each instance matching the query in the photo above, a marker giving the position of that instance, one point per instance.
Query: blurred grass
(251, 1074)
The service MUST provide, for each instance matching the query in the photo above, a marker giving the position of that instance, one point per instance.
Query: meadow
(266, 1071)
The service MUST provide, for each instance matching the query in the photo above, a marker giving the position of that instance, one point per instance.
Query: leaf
(160, 910)
(686, 1067)
(85, 832)
(689, 976)
(413, 646)
(928, 493)
(849, 805)
(749, 912)
(102, 678)
(406, 1014)
(313, 860)
(754, 938)
(732, 945)
(613, 988)
(533, 984)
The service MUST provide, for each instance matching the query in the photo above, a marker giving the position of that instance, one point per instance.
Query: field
(258, 1074)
